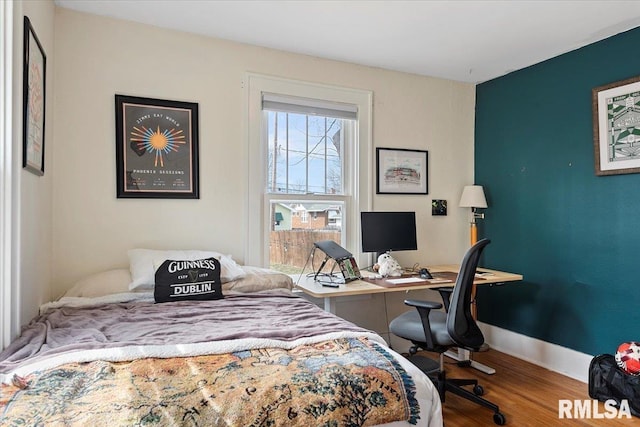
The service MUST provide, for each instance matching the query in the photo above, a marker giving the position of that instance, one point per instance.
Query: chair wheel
(478, 390)
(499, 419)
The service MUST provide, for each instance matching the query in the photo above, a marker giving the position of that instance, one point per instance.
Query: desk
(361, 287)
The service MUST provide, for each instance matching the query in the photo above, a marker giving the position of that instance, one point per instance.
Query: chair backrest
(461, 325)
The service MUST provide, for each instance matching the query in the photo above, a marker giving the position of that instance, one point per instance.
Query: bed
(260, 355)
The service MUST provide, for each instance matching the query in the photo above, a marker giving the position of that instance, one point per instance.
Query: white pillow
(100, 284)
(144, 262)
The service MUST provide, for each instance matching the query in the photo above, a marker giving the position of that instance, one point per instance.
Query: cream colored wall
(98, 57)
(33, 206)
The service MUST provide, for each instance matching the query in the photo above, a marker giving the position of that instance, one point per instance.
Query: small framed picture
(156, 148)
(616, 127)
(34, 91)
(401, 171)
(438, 207)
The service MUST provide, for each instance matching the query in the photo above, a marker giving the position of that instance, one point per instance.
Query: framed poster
(401, 171)
(156, 148)
(33, 92)
(616, 127)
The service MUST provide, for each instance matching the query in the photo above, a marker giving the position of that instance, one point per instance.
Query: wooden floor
(527, 395)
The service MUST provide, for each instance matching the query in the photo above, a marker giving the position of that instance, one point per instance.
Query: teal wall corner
(573, 235)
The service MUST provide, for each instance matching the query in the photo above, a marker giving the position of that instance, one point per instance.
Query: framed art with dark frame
(33, 92)
(401, 171)
(616, 127)
(156, 148)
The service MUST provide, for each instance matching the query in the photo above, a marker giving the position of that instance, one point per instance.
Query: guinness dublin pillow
(188, 280)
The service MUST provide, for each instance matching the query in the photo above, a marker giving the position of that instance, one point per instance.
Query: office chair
(438, 331)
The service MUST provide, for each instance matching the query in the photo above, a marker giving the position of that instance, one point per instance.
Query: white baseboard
(551, 356)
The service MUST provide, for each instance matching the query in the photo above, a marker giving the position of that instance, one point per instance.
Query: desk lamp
(473, 197)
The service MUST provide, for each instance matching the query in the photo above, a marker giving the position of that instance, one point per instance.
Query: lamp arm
(474, 228)
(475, 215)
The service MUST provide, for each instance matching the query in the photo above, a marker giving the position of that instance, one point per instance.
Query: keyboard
(404, 280)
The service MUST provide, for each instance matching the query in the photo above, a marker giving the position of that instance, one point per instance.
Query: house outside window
(311, 154)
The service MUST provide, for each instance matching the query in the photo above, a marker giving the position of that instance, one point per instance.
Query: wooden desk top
(360, 287)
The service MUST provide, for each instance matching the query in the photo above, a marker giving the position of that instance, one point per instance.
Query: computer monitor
(388, 231)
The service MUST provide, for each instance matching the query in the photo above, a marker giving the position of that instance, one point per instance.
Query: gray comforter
(273, 315)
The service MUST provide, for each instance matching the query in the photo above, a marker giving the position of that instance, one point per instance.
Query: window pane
(295, 226)
(305, 153)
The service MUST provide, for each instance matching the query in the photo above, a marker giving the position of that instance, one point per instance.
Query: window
(309, 157)
(306, 144)
(305, 152)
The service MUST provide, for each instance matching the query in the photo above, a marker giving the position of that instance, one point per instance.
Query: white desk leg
(330, 305)
(463, 355)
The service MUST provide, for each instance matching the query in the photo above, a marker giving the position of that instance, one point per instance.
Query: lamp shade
(473, 197)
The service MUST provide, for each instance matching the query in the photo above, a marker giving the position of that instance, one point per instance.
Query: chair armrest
(424, 308)
(430, 305)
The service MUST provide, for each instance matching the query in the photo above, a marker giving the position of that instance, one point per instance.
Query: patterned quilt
(341, 382)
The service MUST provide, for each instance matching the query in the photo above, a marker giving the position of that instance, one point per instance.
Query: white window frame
(358, 183)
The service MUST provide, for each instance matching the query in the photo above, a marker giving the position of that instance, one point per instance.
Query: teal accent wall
(573, 235)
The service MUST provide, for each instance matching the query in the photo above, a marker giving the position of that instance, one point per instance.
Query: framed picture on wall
(616, 127)
(156, 148)
(33, 92)
(401, 171)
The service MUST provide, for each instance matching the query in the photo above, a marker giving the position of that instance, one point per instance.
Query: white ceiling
(470, 41)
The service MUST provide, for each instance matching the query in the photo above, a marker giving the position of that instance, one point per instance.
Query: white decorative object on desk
(388, 266)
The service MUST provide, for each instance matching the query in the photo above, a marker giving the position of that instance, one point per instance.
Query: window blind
(315, 107)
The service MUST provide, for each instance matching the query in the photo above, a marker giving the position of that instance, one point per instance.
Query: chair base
(425, 364)
(455, 386)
